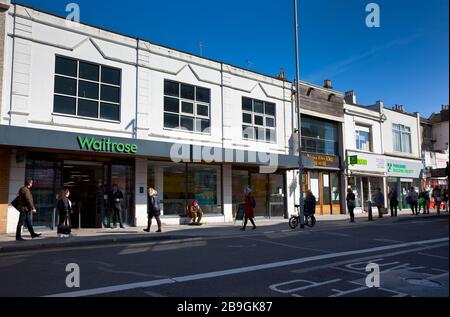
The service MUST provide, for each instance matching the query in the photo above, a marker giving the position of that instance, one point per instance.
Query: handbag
(15, 203)
(384, 211)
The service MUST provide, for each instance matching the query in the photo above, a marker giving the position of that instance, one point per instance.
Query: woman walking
(153, 209)
(64, 208)
(249, 206)
(351, 204)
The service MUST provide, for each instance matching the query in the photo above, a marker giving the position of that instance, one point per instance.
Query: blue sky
(405, 61)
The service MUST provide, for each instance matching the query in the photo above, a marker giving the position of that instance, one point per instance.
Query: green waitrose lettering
(106, 145)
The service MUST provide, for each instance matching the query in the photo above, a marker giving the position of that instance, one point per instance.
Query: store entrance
(85, 180)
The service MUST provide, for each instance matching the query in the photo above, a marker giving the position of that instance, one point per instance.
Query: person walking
(393, 201)
(445, 199)
(414, 201)
(437, 196)
(27, 209)
(379, 202)
(249, 206)
(64, 207)
(351, 204)
(115, 202)
(153, 209)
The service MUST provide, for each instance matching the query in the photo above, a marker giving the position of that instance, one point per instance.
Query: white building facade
(84, 108)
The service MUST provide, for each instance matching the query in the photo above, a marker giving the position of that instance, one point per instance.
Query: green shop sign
(355, 160)
(106, 145)
(399, 168)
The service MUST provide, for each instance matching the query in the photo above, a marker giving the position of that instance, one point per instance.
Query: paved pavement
(274, 261)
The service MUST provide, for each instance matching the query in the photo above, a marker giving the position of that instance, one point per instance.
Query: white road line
(254, 268)
(434, 256)
(338, 234)
(387, 240)
(289, 245)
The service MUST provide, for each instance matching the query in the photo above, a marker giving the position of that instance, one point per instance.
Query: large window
(363, 138)
(187, 107)
(87, 90)
(319, 136)
(401, 138)
(258, 120)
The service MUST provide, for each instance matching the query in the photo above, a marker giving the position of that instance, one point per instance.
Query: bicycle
(310, 220)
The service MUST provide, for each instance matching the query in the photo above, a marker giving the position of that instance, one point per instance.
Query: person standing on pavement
(249, 206)
(27, 209)
(437, 196)
(445, 199)
(64, 207)
(351, 204)
(153, 209)
(414, 201)
(310, 203)
(393, 202)
(115, 201)
(379, 202)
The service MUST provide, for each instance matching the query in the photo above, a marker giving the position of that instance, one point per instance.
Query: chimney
(350, 97)
(444, 107)
(380, 104)
(282, 75)
(5, 4)
(327, 84)
(399, 108)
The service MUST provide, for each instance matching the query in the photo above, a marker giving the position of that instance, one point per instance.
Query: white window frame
(255, 126)
(403, 130)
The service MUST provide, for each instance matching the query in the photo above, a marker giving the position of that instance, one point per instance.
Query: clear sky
(405, 61)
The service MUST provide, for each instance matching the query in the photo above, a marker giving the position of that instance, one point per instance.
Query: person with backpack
(25, 205)
(351, 204)
(249, 206)
(153, 209)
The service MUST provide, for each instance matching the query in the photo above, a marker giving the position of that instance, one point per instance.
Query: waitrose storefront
(88, 165)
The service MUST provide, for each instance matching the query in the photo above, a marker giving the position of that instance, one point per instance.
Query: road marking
(338, 234)
(254, 268)
(288, 245)
(434, 256)
(387, 240)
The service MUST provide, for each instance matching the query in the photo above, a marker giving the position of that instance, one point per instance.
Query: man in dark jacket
(27, 209)
(115, 198)
(310, 203)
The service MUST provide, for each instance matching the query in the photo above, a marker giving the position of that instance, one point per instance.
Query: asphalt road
(412, 255)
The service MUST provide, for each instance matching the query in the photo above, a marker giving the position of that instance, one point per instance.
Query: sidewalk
(91, 237)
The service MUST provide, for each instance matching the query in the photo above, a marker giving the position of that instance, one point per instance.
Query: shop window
(319, 136)
(87, 90)
(258, 120)
(187, 107)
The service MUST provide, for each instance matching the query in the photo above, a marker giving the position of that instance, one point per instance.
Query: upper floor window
(87, 90)
(319, 136)
(187, 107)
(258, 120)
(363, 142)
(401, 138)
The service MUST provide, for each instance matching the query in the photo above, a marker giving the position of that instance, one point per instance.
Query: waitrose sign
(106, 145)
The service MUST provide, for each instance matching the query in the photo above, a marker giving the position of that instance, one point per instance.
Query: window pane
(171, 105)
(65, 105)
(187, 107)
(187, 92)
(270, 109)
(171, 88)
(203, 95)
(111, 76)
(65, 86)
(110, 94)
(205, 126)
(171, 121)
(87, 89)
(87, 108)
(259, 120)
(109, 111)
(247, 118)
(270, 122)
(203, 110)
(248, 132)
(187, 123)
(259, 106)
(260, 134)
(89, 71)
(270, 135)
(66, 66)
(247, 104)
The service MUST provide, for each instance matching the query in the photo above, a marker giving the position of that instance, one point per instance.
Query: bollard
(369, 207)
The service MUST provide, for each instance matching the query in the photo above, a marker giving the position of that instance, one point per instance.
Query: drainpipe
(135, 127)
(12, 60)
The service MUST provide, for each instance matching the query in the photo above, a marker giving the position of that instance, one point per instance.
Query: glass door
(259, 186)
(276, 196)
(315, 188)
(326, 193)
(122, 175)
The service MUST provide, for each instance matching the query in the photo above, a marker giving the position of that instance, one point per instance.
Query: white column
(16, 181)
(141, 198)
(159, 184)
(227, 193)
(293, 191)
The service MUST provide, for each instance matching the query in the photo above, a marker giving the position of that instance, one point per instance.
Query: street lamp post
(299, 119)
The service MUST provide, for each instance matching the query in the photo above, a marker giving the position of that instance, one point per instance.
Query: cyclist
(310, 203)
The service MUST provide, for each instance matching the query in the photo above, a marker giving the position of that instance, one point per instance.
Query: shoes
(254, 228)
(147, 230)
(37, 235)
(242, 229)
(20, 239)
(122, 227)
(159, 231)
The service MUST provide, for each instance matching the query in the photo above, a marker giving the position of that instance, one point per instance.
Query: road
(327, 261)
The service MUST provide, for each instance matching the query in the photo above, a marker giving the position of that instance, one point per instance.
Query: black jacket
(153, 206)
(115, 198)
(310, 205)
(63, 207)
